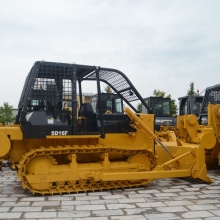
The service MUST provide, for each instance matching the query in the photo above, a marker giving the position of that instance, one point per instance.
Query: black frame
(117, 80)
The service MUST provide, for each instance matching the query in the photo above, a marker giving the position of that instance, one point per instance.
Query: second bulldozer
(202, 128)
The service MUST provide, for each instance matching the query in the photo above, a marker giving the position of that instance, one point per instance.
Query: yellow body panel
(15, 133)
(5, 144)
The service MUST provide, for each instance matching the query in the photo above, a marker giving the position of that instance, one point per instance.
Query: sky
(159, 44)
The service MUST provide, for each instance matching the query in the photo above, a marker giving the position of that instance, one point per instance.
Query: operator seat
(89, 123)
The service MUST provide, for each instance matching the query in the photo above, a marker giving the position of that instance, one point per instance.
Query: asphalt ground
(179, 198)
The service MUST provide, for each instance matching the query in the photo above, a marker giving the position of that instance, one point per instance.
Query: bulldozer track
(82, 185)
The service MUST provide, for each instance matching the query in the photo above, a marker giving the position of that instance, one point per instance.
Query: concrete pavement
(180, 198)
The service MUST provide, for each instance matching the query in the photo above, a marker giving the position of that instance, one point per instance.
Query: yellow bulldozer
(198, 122)
(59, 144)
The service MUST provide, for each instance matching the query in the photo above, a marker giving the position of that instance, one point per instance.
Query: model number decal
(59, 132)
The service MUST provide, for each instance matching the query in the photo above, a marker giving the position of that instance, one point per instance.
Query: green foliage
(173, 106)
(108, 89)
(6, 114)
(191, 90)
(139, 107)
(158, 93)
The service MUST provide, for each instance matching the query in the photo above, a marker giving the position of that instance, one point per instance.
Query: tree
(139, 107)
(159, 93)
(108, 89)
(6, 114)
(173, 106)
(191, 90)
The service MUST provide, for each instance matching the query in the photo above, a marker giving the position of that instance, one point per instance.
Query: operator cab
(105, 113)
(50, 86)
(190, 105)
(161, 108)
(212, 96)
(110, 103)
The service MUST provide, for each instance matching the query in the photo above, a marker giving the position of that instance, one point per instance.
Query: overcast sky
(158, 44)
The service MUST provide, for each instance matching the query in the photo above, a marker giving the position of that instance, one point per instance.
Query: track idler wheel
(40, 165)
(145, 162)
